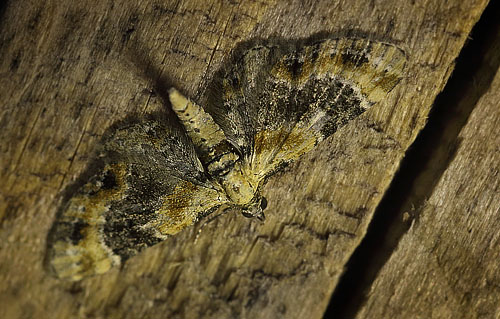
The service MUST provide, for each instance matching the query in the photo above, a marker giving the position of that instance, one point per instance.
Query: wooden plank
(447, 264)
(71, 70)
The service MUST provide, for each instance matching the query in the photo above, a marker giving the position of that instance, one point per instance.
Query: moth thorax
(240, 186)
(223, 164)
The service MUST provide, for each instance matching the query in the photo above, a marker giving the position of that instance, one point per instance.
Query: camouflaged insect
(274, 104)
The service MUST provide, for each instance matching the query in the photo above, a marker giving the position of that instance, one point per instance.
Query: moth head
(256, 209)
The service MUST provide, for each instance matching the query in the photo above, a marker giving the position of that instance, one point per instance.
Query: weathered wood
(71, 70)
(448, 264)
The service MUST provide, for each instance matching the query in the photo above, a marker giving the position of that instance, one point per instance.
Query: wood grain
(447, 264)
(72, 69)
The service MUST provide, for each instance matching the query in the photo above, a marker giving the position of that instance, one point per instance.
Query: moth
(270, 106)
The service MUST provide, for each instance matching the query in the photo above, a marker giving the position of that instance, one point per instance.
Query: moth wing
(151, 186)
(278, 103)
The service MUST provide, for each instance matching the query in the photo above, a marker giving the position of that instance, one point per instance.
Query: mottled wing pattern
(152, 185)
(157, 177)
(279, 103)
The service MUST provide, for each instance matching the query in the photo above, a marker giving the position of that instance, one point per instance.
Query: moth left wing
(151, 185)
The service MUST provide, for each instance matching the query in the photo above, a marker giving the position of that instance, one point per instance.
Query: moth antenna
(208, 220)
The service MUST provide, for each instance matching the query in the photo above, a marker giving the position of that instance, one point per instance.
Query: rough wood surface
(448, 264)
(72, 69)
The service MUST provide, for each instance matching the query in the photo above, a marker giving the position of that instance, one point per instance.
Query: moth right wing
(278, 103)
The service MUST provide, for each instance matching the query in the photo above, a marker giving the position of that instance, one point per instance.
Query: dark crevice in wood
(423, 165)
(3, 8)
